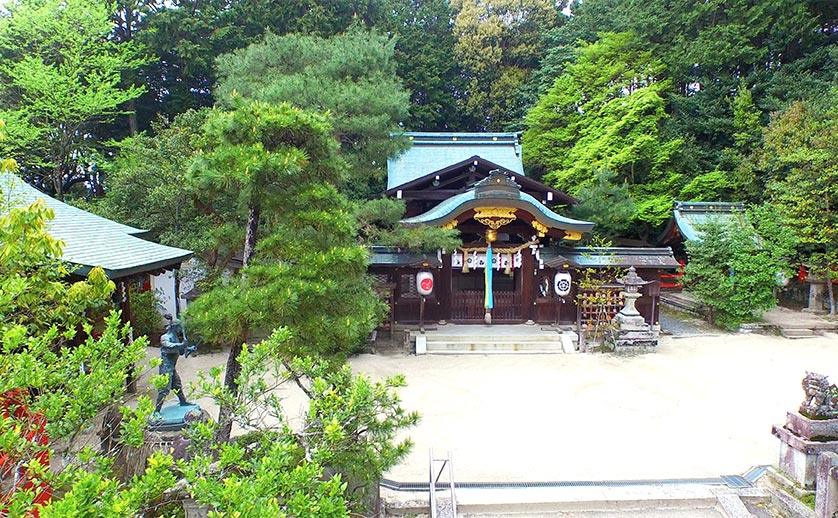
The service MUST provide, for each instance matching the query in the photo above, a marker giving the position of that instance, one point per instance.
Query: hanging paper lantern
(425, 283)
(561, 284)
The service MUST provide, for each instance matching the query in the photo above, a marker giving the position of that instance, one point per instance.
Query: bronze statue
(172, 344)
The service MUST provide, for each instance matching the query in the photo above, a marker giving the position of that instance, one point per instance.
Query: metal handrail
(433, 481)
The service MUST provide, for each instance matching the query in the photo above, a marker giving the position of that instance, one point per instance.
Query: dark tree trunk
(133, 127)
(58, 184)
(250, 237)
(233, 369)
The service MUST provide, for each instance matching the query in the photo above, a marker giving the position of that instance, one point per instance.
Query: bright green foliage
(7, 165)
(62, 376)
(352, 76)
(352, 424)
(499, 43)
(310, 277)
(606, 110)
(60, 80)
(734, 268)
(608, 204)
(348, 435)
(35, 295)
(712, 186)
(746, 120)
(729, 63)
(263, 155)
(147, 185)
(265, 477)
(799, 157)
(93, 493)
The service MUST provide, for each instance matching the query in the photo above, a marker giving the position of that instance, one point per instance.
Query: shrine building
(520, 259)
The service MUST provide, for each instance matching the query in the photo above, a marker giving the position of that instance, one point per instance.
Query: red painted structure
(14, 465)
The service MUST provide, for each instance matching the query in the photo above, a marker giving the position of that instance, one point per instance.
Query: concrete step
(494, 346)
(493, 339)
(796, 333)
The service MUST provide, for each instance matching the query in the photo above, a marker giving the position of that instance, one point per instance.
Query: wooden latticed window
(407, 286)
(597, 306)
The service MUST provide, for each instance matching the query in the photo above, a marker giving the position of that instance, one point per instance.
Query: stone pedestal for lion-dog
(810, 432)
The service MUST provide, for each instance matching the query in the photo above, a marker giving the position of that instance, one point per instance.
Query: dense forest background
(627, 104)
(265, 126)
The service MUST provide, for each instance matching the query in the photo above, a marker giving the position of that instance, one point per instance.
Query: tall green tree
(61, 76)
(500, 43)
(427, 65)
(283, 162)
(799, 159)
(606, 110)
(352, 76)
(263, 153)
(734, 267)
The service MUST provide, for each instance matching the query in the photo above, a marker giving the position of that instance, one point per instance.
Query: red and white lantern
(425, 283)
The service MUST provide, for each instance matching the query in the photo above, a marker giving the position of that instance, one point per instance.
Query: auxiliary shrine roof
(91, 240)
(687, 216)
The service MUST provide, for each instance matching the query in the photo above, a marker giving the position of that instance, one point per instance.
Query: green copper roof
(610, 257)
(431, 152)
(473, 198)
(689, 215)
(91, 240)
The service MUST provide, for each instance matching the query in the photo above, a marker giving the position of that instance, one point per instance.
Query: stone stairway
(683, 301)
(498, 339)
(794, 333)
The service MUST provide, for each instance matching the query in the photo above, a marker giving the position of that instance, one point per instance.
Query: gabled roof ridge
(709, 206)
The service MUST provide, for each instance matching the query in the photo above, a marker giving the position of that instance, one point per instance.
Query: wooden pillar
(528, 272)
(443, 296)
(397, 290)
(123, 288)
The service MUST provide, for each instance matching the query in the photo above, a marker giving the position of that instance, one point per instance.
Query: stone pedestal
(801, 441)
(816, 296)
(826, 492)
(632, 334)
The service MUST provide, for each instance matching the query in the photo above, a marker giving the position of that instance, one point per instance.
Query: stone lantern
(631, 284)
(631, 333)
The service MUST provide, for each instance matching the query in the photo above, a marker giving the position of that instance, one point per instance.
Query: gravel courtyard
(702, 406)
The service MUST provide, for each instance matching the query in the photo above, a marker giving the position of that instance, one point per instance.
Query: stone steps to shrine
(532, 341)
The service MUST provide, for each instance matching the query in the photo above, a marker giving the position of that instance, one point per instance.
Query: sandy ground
(701, 406)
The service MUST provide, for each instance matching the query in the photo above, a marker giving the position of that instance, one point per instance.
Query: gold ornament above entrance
(451, 224)
(495, 217)
(570, 235)
(541, 229)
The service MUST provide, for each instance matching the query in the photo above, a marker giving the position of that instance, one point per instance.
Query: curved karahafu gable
(498, 191)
